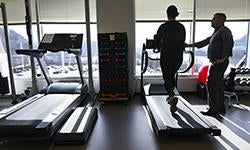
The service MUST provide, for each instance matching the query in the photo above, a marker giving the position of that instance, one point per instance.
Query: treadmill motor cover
(65, 88)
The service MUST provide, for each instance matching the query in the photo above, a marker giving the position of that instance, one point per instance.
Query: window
(65, 16)
(141, 36)
(234, 10)
(204, 30)
(18, 40)
(149, 16)
(62, 64)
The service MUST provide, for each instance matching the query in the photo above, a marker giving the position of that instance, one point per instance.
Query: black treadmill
(186, 121)
(41, 116)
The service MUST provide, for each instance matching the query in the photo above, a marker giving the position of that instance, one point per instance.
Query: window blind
(61, 10)
(234, 9)
(156, 9)
(15, 10)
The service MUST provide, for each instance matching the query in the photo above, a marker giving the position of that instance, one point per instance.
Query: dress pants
(215, 85)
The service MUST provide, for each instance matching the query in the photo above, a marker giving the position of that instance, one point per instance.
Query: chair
(202, 77)
(230, 95)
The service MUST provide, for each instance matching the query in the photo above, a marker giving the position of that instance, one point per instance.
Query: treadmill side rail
(215, 131)
(37, 121)
(78, 127)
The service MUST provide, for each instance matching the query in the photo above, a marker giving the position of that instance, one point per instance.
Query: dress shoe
(210, 113)
(173, 103)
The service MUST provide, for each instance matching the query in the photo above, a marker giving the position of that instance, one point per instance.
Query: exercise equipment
(186, 120)
(40, 116)
(202, 75)
(4, 85)
(8, 50)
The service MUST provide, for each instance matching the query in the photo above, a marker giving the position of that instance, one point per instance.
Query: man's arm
(158, 38)
(200, 44)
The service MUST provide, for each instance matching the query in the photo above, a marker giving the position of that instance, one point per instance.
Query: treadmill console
(62, 42)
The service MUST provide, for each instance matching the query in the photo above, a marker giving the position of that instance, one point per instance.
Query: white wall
(119, 16)
(184, 84)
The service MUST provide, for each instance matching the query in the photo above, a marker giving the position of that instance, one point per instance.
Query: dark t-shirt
(170, 39)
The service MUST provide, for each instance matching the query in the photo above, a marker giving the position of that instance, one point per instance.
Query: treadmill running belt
(78, 127)
(184, 120)
(39, 119)
(40, 109)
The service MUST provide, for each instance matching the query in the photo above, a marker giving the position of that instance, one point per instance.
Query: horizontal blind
(156, 9)
(15, 10)
(62, 10)
(92, 7)
(234, 9)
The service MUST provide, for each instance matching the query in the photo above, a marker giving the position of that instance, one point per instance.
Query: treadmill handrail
(31, 52)
(145, 53)
(145, 58)
(191, 53)
(38, 52)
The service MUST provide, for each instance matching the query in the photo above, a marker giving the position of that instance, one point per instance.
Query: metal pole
(29, 33)
(6, 34)
(89, 52)
(194, 23)
(38, 21)
(247, 63)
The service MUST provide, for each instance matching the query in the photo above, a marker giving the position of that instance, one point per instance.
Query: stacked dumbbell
(242, 79)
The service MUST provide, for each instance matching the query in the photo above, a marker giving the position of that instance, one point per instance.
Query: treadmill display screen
(61, 42)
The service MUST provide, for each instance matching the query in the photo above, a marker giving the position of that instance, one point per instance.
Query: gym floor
(127, 127)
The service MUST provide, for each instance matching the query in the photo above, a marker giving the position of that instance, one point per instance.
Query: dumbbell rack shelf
(113, 66)
(242, 79)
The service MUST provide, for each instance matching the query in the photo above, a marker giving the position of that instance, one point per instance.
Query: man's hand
(188, 45)
(219, 61)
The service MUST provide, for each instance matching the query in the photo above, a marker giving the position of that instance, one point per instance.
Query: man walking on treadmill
(220, 45)
(170, 41)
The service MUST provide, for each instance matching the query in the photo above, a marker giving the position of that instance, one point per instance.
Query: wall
(184, 84)
(119, 16)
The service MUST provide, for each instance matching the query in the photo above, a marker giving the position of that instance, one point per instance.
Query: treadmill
(42, 115)
(186, 121)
